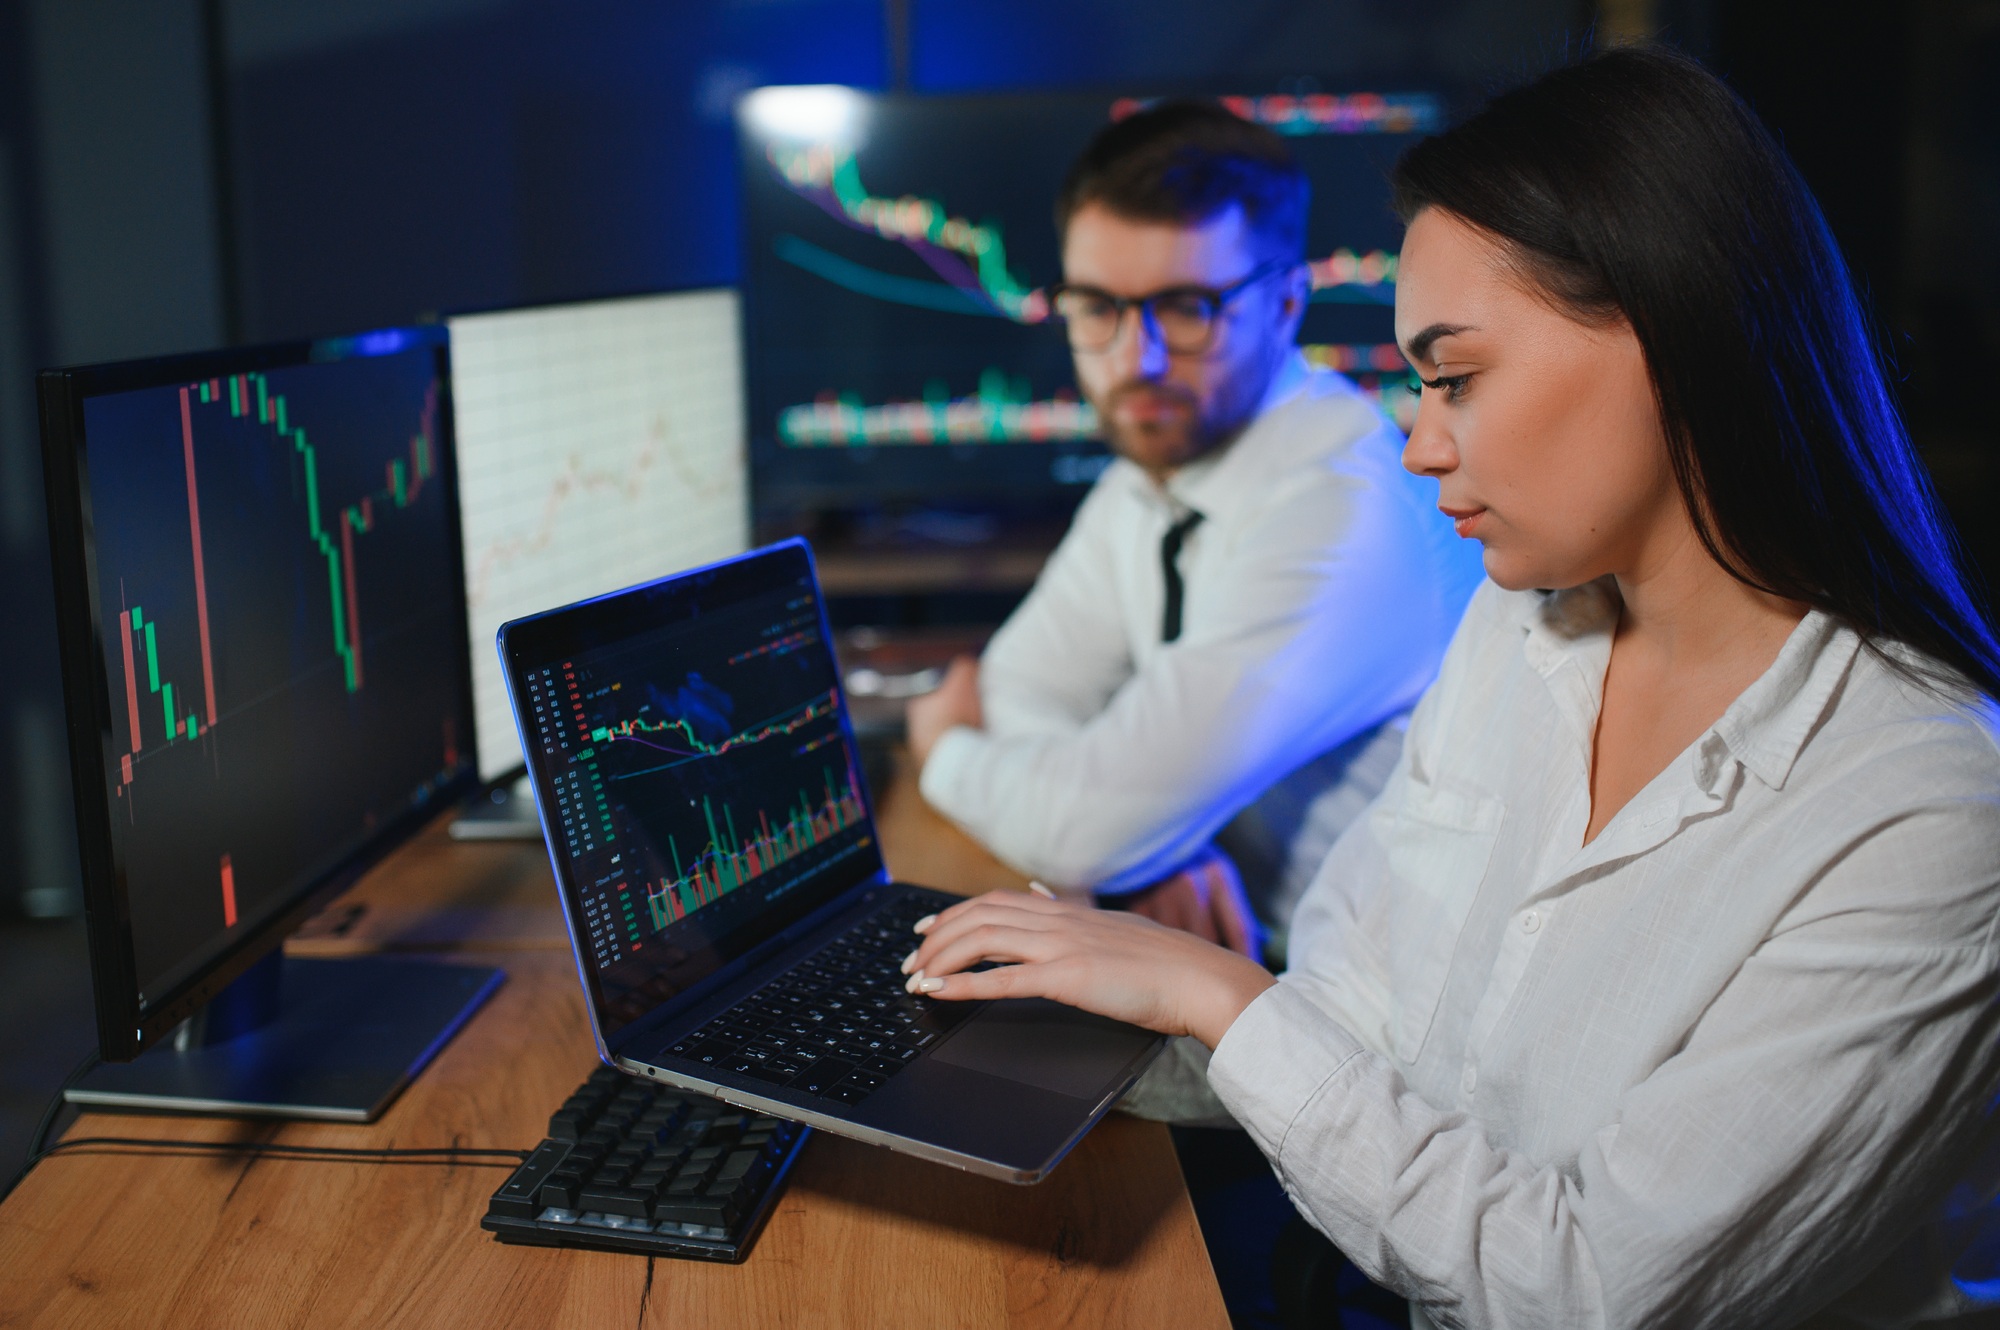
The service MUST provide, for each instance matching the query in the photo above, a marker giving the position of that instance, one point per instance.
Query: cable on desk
(166, 1145)
(38, 1143)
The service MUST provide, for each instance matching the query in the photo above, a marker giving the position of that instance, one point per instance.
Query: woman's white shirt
(1731, 1063)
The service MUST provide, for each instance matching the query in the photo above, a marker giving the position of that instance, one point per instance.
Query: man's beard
(1195, 433)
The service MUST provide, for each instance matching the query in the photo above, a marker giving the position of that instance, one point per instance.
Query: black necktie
(1170, 553)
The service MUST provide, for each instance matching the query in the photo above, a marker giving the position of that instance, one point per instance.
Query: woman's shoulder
(1915, 728)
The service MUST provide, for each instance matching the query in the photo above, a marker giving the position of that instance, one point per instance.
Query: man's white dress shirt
(1322, 586)
(1730, 1064)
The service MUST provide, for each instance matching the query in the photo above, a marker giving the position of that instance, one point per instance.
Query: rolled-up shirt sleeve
(1839, 1081)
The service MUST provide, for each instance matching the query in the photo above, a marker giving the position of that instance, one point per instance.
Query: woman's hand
(1116, 964)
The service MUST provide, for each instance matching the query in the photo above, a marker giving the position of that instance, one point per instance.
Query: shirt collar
(1209, 484)
(1765, 728)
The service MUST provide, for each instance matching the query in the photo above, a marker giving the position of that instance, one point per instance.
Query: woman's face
(1544, 434)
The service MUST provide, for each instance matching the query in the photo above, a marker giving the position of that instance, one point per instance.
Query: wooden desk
(861, 1237)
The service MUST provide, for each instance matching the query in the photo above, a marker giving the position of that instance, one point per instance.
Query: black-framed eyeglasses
(1183, 317)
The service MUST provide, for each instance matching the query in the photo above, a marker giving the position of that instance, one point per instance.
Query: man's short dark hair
(1186, 162)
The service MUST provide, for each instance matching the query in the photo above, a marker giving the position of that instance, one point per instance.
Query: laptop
(735, 930)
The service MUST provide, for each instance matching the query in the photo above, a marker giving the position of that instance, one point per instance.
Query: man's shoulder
(1325, 421)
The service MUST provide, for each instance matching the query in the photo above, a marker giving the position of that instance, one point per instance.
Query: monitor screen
(600, 444)
(698, 780)
(896, 254)
(259, 569)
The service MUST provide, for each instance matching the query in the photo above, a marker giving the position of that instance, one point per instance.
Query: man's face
(1164, 408)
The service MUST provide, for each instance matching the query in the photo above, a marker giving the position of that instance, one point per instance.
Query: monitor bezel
(124, 1030)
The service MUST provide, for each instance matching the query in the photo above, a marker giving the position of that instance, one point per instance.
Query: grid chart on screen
(600, 444)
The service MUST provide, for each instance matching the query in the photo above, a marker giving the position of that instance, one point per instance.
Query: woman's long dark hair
(1635, 184)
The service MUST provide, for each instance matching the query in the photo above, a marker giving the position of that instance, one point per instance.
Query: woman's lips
(1463, 520)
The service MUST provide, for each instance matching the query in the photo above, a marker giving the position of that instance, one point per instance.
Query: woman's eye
(1451, 385)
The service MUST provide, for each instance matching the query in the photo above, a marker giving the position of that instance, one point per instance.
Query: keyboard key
(847, 1094)
(702, 1210)
(560, 1191)
(736, 1165)
(568, 1124)
(616, 1201)
(519, 1197)
(768, 1071)
(822, 1076)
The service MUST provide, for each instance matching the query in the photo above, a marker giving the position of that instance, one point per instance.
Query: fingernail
(914, 980)
(923, 925)
(909, 962)
(1041, 891)
(930, 985)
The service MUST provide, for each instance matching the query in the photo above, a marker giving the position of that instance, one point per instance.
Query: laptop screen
(698, 780)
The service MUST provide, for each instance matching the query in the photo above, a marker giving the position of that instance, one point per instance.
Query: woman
(1659, 987)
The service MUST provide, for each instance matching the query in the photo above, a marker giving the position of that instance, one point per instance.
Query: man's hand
(1206, 898)
(955, 702)
(1105, 961)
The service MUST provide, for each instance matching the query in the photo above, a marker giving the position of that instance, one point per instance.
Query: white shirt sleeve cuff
(945, 772)
(1275, 1060)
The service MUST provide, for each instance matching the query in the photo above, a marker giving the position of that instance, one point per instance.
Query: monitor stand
(293, 1037)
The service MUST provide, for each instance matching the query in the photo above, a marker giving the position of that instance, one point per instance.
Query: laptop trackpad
(1046, 1045)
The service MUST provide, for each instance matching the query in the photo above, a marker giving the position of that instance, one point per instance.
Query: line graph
(689, 746)
(599, 444)
(970, 256)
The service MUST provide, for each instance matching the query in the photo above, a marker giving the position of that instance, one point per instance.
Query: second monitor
(600, 444)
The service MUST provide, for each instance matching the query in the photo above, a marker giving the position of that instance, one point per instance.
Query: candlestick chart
(272, 553)
(698, 775)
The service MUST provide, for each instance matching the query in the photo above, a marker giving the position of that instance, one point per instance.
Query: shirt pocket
(1438, 843)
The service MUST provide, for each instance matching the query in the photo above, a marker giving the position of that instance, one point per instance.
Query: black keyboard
(839, 1023)
(633, 1166)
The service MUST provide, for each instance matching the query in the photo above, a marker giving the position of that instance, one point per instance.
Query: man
(1251, 597)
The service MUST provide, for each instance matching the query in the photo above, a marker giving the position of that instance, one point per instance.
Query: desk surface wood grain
(861, 1236)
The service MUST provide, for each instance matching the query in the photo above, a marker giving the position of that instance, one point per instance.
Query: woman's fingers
(1007, 941)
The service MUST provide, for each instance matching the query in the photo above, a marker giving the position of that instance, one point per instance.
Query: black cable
(441, 1154)
(39, 1149)
(38, 1142)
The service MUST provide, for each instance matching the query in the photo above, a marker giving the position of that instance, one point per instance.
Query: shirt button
(1531, 921)
(1468, 1081)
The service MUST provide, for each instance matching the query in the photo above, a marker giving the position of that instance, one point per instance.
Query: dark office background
(177, 174)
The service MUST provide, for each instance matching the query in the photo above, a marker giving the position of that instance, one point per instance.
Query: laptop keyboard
(633, 1166)
(838, 1024)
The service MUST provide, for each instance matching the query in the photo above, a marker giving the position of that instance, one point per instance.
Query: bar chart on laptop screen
(600, 444)
(700, 770)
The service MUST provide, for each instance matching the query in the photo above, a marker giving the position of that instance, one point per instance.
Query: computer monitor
(896, 251)
(261, 613)
(600, 444)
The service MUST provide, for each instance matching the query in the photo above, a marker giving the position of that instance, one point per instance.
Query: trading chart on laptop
(700, 774)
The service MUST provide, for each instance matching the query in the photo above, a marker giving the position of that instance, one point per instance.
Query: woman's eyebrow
(1419, 346)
